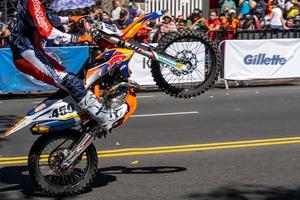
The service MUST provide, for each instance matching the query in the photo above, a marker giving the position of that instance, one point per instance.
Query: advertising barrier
(72, 58)
(262, 59)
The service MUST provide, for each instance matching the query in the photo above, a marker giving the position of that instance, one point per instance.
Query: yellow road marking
(171, 149)
(197, 149)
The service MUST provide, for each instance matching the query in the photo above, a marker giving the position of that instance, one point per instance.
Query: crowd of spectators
(232, 16)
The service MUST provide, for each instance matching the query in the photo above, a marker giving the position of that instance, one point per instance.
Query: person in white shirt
(115, 13)
(276, 17)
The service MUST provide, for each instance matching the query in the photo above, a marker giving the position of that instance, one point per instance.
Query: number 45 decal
(62, 111)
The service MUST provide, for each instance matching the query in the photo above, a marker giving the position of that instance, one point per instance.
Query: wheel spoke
(51, 171)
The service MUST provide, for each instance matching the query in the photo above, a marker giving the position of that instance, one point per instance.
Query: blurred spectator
(167, 25)
(124, 20)
(143, 35)
(276, 17)
(293, 22)
(96, 14)
(115, 13)
(232, 24)
(106, 18)
(181, 25)
(179, 18)
(199, 24)
(258, 18)
(153, 34)
(297, 22)
(224, 20)
(281, 4)
(132, 10)
(261, 7)
(245, 7)
(290, 22)
(196, 15)
(4, 33)
(213, 23)
(225, 11)
(292, 8)
(227, 5)
(248, 23)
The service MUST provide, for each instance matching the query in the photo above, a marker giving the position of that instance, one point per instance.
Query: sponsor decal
(84, 144)
(62, 111)
(40, 15)
(263, 59)
(117, 59)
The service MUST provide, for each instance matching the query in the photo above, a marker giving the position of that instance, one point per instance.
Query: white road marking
(167, 114)
(149, 96)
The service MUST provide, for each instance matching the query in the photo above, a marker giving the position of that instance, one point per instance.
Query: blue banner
(12, 80)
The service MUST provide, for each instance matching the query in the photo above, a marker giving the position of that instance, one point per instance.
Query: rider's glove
(75, 19)
(85, 38)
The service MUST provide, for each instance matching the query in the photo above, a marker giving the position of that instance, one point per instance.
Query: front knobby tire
(37, 154)
(193, 86)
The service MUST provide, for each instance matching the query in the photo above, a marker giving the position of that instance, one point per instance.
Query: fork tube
(139, 49)
(83, 144)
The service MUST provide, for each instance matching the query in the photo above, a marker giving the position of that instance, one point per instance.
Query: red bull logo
(117, 59)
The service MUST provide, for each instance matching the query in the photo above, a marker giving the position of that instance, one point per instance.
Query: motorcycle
(63, 160)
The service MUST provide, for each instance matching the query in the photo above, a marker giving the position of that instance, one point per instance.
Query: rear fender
(49, 110)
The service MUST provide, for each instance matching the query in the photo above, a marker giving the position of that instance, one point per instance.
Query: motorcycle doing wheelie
(63, 160)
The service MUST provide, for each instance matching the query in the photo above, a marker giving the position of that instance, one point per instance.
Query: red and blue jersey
(33, 24)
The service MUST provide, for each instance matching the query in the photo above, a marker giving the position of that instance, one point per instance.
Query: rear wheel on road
(44, 164)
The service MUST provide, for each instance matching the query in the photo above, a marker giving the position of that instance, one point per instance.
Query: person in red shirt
(213, 24)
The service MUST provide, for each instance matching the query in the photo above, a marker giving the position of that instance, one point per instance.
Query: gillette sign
(263, 59)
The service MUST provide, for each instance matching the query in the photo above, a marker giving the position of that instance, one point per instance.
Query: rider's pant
(44, 68)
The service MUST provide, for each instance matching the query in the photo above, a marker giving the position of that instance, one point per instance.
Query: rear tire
(210, 74)
(43, 181)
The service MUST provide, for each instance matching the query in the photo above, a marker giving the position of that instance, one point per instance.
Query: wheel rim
(198, 57)
(49, 161)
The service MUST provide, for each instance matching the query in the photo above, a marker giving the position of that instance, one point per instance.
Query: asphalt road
(238, 145)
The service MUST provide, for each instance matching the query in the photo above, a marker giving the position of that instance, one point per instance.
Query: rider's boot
(105, 117)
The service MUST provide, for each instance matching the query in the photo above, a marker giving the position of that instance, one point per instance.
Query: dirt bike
(63, 160)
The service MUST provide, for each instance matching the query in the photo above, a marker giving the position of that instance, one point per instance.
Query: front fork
(147, 51)
(85, 141)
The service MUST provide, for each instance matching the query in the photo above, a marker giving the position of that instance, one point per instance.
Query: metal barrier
(267, 34)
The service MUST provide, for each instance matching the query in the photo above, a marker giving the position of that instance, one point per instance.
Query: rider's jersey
(33, 24)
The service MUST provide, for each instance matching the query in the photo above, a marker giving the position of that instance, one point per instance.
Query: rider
(34, 25)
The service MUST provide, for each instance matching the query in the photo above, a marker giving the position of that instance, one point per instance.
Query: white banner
(141, 73)
(262, 59)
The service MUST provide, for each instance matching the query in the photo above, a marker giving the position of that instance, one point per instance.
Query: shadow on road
(248, 192)
(16, 178)
(141, 170)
